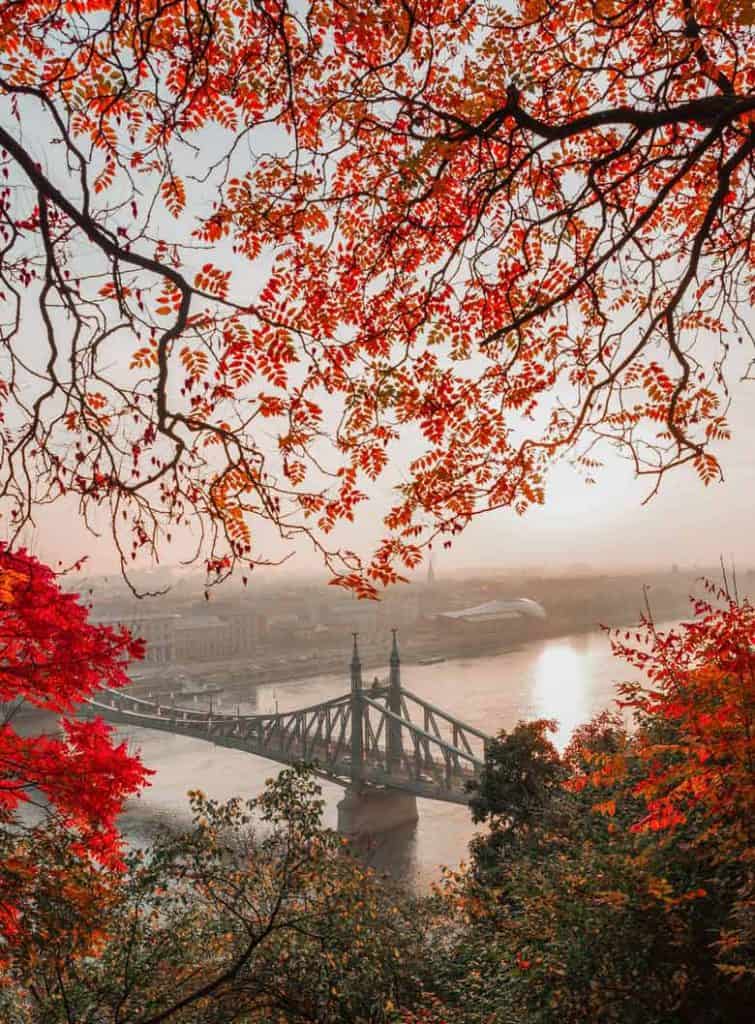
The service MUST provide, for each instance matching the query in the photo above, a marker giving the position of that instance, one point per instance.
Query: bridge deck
(384, 737)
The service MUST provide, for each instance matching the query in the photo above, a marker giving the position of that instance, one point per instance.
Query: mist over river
(568, 678)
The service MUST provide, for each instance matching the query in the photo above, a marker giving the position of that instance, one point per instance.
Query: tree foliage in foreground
(626, 892)
(51, 659)
(614, 883)
(256, 915)
(259, 246)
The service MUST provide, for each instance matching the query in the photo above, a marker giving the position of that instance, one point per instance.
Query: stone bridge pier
(368, 811)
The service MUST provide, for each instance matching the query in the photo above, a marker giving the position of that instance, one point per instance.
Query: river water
(568, 678)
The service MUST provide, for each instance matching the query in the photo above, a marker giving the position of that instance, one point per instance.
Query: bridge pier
(367, 811)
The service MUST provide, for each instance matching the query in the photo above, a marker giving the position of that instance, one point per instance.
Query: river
(568, 678)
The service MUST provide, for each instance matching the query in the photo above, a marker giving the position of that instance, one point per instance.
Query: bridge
(385, 745)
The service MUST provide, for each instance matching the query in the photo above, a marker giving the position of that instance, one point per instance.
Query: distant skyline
(604, 526)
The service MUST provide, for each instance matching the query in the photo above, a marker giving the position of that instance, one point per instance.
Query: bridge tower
(365, 810)
(393, 737)
(357, 715)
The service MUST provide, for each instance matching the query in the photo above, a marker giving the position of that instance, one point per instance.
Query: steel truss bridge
(384, 737)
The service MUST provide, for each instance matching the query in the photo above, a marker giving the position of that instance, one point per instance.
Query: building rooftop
(518, 607)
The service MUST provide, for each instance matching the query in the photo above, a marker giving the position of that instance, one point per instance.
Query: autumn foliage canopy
(616, 878)
(697, 719)
(52, 658)
(273, 252)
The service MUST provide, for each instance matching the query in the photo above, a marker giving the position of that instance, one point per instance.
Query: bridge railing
(419, 755)
(406, 741)
(444, 725)
(321, 730)
(116, 701)
(122, 701)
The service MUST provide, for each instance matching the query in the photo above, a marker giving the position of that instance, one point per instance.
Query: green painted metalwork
(386, 737)
(357, 715)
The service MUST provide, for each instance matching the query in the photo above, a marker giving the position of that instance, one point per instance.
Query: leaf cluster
(258, 914)
(614, 882)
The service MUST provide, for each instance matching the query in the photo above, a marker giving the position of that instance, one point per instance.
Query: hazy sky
(604, 524)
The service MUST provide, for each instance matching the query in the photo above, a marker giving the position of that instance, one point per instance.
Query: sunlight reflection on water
(560, 688)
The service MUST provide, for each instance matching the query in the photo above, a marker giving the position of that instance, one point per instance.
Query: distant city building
(245, 631)
(519, 607)
(202, 639)
(347, 615)
(431, 573)
(235, 630)
(157, 631)
(508, 620)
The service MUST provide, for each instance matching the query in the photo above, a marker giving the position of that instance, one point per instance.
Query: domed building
(493, 623)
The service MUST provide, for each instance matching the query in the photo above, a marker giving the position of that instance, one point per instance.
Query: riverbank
(239, 678)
